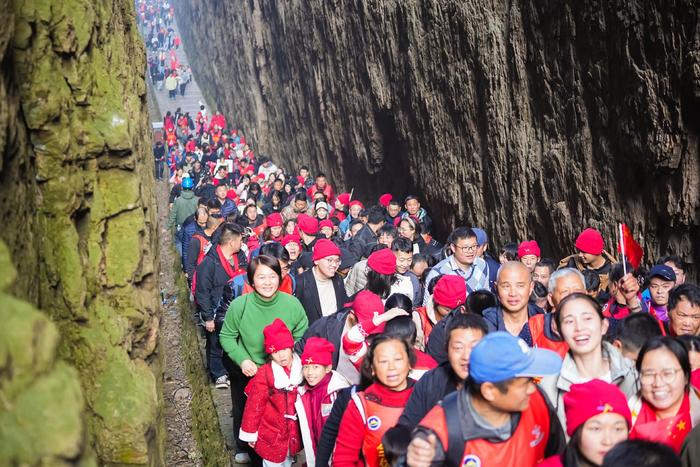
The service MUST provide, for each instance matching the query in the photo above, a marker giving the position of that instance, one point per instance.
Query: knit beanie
(290, 238)
(307, 224)
(274, 220)
(385, 199)
(590, 241)
(343, 198)
(365, 305)
(589, 399)
(317, 351)
(324, 248)
(528, 248)
(277, 336)
(450, 291)
(382, 261)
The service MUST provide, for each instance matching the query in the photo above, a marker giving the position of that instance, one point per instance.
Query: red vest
(378, 419)
(426, 324)
(525, 448)
(204, 246)
(539, 340)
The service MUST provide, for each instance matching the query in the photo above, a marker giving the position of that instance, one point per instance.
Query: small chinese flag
(629, 247)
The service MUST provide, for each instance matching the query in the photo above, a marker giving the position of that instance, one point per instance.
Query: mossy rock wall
(78, 212)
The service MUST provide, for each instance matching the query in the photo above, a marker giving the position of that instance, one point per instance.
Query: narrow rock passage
(182, 448)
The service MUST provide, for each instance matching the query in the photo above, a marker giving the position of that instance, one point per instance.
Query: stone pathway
(190, 103)
(193, 95)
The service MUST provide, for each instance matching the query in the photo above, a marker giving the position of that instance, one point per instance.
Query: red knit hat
(274, 220)
(385, 199)
(291, 239)
(450, 291)
(317, 351)
(325, 223)
(590, 241)
(343, 198)
(307, 224)
(365, 305)
(528, 248)
(324, 248)
(356, 203)
(277, 336)
(382, 261)
(589, 399)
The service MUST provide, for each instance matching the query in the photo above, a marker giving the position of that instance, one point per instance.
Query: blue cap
(500, 357)
(481, 236)
(187, 183)
(663, 271)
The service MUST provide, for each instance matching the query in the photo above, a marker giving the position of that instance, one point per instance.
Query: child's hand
(252, 445)
(389, 315)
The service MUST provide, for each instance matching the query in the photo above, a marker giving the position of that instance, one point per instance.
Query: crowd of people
(346, 332)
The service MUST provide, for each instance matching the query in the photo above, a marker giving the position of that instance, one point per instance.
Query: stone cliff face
(80, 380)
(529, 118)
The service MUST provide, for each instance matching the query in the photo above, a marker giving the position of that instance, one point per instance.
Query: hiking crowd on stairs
(346, 332)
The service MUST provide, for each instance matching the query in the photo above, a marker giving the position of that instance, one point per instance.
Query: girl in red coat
(317, 395)
(269, 422)
(376, 409)
(395, 320)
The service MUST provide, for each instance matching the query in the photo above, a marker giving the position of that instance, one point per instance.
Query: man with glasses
(463, 262)
(320, 290)
(684, 310)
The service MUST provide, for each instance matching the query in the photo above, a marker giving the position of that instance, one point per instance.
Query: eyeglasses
(332, 260)
(466, 248)
(667, 376)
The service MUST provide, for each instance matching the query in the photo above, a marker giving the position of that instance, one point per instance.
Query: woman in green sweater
(241, 335)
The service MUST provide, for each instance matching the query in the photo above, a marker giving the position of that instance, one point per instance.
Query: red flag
(629, 247)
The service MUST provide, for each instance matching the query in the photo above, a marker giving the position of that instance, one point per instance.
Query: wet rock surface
(530, 118)
(78, 213)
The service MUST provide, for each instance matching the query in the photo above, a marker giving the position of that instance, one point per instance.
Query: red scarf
(670, 431)
(225, 262)
(312, 400)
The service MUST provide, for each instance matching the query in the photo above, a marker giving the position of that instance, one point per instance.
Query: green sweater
(242, 333)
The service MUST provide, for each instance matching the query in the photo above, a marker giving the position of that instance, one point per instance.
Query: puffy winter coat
(269, 418)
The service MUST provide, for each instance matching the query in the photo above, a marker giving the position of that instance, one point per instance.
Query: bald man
(514, 286)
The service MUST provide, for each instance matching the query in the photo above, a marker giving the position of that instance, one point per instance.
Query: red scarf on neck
(225, 262)
(670, 431)
(312, 400)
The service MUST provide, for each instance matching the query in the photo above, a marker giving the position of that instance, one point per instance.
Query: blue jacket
(494, 320)
(189, 228)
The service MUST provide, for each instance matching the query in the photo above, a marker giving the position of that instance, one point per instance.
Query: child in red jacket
(269, 422)
(317, 395)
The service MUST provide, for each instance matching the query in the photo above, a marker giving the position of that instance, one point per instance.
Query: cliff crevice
(528, 118)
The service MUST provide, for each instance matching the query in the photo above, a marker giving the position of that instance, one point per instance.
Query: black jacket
(329, 434)
(363, 242)
(437, 342)
(430, 389)
(307, 293)
(328, 327)
(211, 279)
(190, 259)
